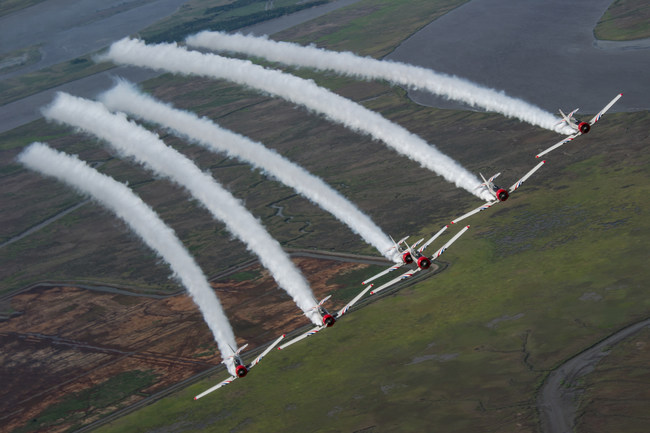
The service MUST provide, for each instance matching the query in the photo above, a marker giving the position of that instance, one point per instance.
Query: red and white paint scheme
(413, 255)
(237, 368)
(580, 126)
(437, 254)
(499, 194)
(328, 319)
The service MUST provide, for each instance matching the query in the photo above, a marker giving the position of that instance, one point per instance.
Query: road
(556, 399)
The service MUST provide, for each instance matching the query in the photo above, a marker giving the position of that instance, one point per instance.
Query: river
(541, 51)
(76, 41)
(66, 29)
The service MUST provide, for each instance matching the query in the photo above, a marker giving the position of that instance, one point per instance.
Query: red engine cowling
(241, 371)
(328, 320)
(424, 262)
(502, 194)
(584, 127)
(406, 257)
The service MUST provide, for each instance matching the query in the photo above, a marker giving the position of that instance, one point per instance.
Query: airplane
(409, 255)
(581, 127)
(499, 194)
(410, 273)
(237, 368)
(328, 319)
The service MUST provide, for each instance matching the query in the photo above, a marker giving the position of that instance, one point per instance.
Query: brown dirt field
(67, 339)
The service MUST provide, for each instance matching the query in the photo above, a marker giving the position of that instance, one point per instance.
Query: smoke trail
(146, 148)
(171, 57)
(350, 64)
(144, 222)
(125, 97)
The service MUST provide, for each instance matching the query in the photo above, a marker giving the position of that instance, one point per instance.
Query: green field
(85, 403)
(624, 20)
(434, 355)
(537, 279)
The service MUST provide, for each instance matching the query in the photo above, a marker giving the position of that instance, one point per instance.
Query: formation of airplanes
(406, 255)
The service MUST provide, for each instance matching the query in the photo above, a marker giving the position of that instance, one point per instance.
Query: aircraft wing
(216, 387)
(597, 117)
(404, 276)
(477, 210)
(526, 176)
(433, 238)
(301, 337)
(354, 300)
(382, 273)
(558, 144)
(451, 241)
(266, 351)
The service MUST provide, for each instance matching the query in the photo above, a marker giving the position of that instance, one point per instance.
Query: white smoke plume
(132, 140)
(119, 199)
(347, 63)
(172, 58)
(126, 97)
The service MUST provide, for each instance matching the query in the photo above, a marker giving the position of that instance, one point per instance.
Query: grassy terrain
(368, 27)
(625, 20)
(19, 59)
(465, 350)
(226, 16)
(84, 403)
(25, 85)
(434, 355)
